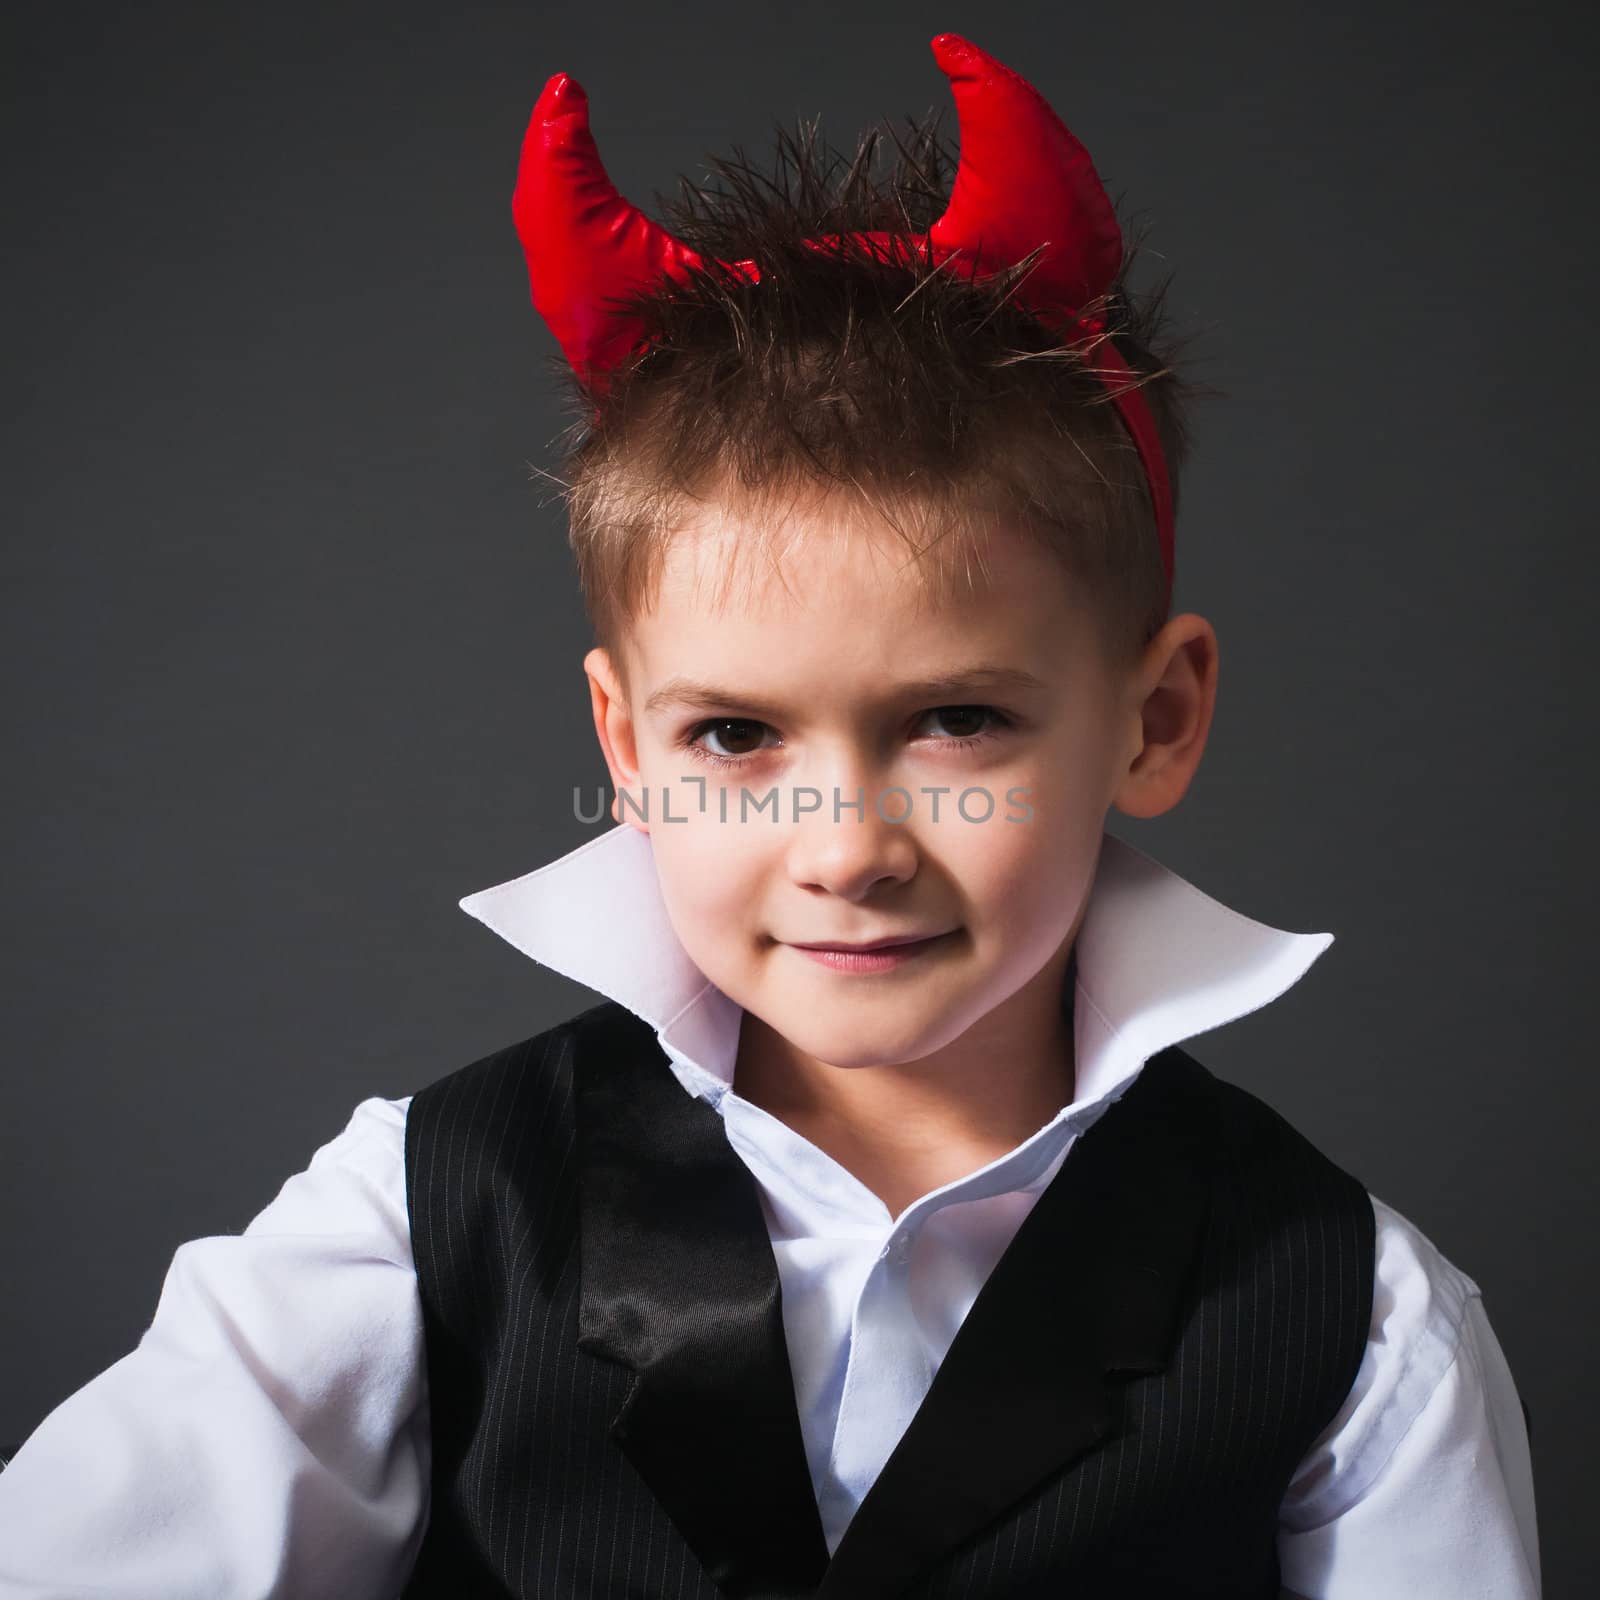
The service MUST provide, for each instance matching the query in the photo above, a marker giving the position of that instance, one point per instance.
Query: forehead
(830, 583)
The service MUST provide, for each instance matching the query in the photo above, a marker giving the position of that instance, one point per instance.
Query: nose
(852, 849)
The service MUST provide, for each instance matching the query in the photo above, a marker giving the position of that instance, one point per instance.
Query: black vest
(612, 1411)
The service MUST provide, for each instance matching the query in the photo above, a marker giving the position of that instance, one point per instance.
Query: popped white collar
(1158, 960)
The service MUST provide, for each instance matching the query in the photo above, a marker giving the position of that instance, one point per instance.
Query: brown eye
(736, 737)
(963, 722)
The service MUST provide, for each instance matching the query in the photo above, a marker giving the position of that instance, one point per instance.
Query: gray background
(292, 648)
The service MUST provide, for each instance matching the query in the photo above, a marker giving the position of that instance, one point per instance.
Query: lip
(876, 944)
(882, 955)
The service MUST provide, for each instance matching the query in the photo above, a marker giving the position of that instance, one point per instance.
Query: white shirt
(269, 1434)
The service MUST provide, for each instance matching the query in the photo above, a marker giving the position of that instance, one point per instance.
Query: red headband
(1023, 182)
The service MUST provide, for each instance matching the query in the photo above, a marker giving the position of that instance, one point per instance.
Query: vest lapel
(678, 1284)
(1089, 1289)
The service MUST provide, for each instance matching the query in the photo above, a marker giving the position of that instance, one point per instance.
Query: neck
(905, 1128)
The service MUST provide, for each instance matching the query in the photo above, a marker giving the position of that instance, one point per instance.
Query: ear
(613, 725)
(1173, 697)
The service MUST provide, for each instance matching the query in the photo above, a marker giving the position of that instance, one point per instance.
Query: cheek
(1028, 878)
(1043, 865)
(708, 875)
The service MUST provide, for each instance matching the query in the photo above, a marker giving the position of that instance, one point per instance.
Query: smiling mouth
(877, 944)
(881, 958)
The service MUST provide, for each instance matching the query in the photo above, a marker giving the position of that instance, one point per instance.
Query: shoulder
(348, 1199)
(512, 1110)
(1423, 1316)
(1420, 1298)
(1417, 1286)
(1425, 1326)
(544, 1056)
(1422, 1303)
(1248, 1138)
(356, 1180)
(1425, 1470)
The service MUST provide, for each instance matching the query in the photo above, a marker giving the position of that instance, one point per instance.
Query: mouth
(881, 955)
(891, 943)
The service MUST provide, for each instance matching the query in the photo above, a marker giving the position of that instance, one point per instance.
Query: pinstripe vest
(612, 1411)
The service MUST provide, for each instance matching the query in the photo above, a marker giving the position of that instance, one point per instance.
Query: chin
(855, 1037)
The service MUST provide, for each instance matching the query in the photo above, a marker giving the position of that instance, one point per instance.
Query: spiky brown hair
(939, 403)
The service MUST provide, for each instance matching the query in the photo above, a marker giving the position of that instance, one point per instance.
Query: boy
(874, 1236)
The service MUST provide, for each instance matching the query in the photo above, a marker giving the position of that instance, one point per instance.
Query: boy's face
(840, 677)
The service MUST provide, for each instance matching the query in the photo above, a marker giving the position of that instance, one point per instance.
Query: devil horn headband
(1024, 183)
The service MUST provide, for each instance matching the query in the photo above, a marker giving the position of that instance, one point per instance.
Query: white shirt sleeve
(268, 1435)
(1421, 1488)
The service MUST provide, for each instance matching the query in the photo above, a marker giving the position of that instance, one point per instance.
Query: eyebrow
(947, 688)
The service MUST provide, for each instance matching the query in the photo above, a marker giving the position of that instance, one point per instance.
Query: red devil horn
(587, 247)
(1023, 181)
